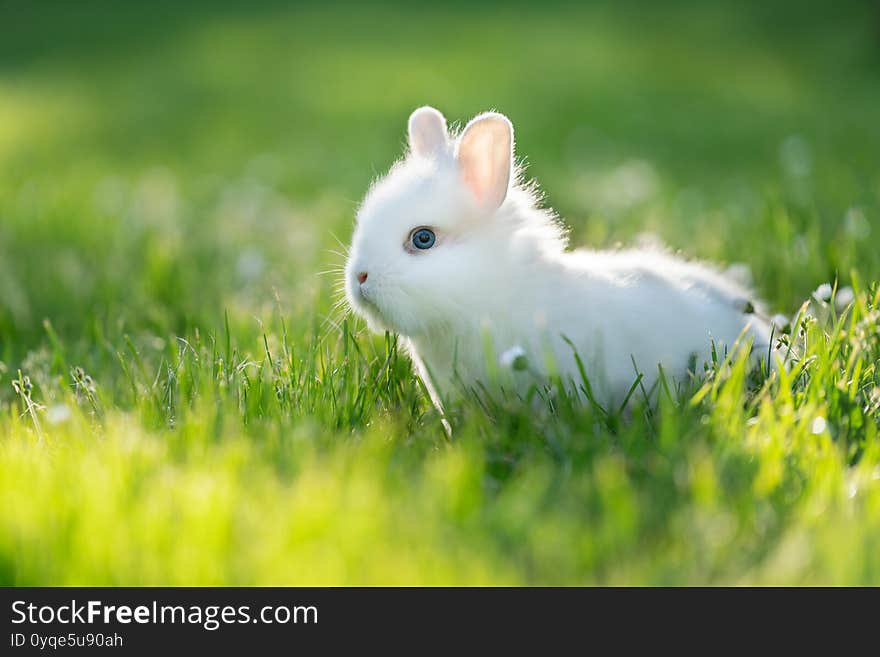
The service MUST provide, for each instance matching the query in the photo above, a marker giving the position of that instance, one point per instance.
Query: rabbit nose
(362, 277)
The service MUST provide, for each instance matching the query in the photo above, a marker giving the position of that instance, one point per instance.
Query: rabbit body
(453, 253)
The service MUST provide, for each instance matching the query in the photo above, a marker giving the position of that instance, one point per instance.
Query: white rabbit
(452, 252)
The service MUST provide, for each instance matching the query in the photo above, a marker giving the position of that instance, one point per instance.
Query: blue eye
(423, 238)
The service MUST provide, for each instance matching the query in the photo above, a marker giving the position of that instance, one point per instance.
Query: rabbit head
(445, 234)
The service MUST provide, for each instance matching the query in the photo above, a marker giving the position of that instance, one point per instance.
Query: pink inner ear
(484, 158)
(476, 166)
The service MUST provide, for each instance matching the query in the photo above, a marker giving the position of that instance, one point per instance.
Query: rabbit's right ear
(427, 132)
(485, 157)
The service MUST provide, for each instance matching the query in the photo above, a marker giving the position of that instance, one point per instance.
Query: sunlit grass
(180, 403)
(330, 467)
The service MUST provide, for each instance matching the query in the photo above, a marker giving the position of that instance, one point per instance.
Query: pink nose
(362, 277)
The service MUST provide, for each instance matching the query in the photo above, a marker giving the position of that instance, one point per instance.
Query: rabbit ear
(427, 132)
(485, 156)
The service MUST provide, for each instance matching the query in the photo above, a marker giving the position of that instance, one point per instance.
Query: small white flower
(58, 413)
(819, 425)
(844, 297)
(823, 292)
(514, 359)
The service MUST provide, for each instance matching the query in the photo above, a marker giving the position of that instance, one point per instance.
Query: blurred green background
(163, 162)
(187, 169)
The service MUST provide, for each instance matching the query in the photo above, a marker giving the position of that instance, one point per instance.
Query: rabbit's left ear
(427, 132)
(485, 157)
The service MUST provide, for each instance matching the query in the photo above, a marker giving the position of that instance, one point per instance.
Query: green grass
(173, 179)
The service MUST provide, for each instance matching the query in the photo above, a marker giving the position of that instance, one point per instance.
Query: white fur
(499, 275)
